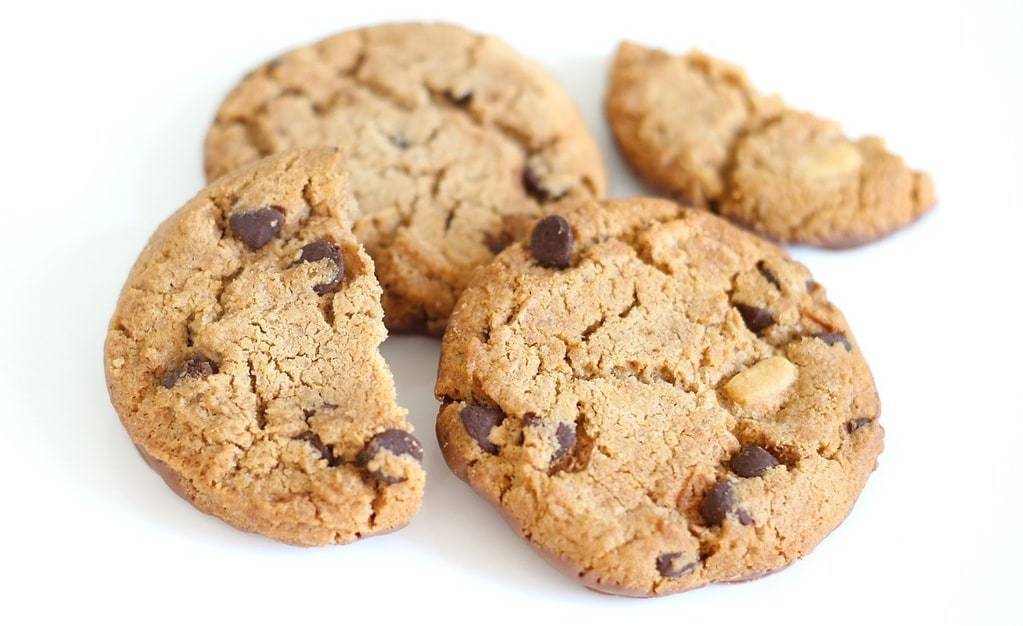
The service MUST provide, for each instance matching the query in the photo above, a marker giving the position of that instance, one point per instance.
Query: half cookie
(695, 127)
(242, 359)
(656, 399)
(458, 142)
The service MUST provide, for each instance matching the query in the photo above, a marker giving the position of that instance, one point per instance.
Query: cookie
(695, 127)
(798, 178)
(678, 404)
(242, 359)
(676, 118)
(457, 143)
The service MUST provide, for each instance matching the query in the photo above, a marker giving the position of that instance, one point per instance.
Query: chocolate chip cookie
(457, 142)
(655, 399)
(242, 359)
(695, 127)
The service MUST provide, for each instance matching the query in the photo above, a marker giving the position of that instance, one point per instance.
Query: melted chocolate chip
(857, 424)
(319, 250)
(459, 99)
(833, 338)
(752, 461)
(565, 435)
(326, 451)
(672, 565)
(479, 421)
(197, 366)
(551, 242)
(756, 319)
(257, 227)
(532, 181)
(768, 274)
(397, 442)
(718, 502)
(744, 517)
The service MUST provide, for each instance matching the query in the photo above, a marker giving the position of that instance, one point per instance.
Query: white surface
(102, 114)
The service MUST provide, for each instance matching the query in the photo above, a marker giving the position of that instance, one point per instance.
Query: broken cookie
(242, 359)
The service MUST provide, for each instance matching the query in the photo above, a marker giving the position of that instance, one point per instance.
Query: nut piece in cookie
(695, 127)
(762, 383)
(630, 425)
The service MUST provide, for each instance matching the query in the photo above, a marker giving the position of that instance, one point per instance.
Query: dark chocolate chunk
(319, 250)
(196, 366)
(857, 424)
(326, 451)
(752, 461)
(833, 338)
(551, 242)
(395, 441)
(718, 502)
(257, 227)
(744, 517)
(768, 274)
(565, 435)
(756, 319)
(673, 565)
(479, 421)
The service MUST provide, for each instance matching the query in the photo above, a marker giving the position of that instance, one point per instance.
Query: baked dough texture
(695, 127)
(242, 359)
(456, 142)
(680, 405)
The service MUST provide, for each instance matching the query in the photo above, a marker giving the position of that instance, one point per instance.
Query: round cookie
(457, 142)
(695, 127)
(798, 178)
(242, 359)
(677, 405)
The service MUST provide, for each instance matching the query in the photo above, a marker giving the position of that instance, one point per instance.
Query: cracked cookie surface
(679, 405)
(695, 127)
(456, 142)
(242, 359)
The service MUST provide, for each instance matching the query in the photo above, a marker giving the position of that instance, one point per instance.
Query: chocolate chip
(257, 227)
(756, 319)
(459, 99)
(672, 565)
(319, 250)
(533, 183)
(552, 241)
(327, 452)
(479, 421)
(397, 442)
(565, 435)
(752, 461)
(399, 140)
(857, 424)
(744, 517)
(833, 338)
(718, 502)
(768, 274)
(196, 366)
(497, 242)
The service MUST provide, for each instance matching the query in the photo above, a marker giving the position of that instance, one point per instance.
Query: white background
(103, 109)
